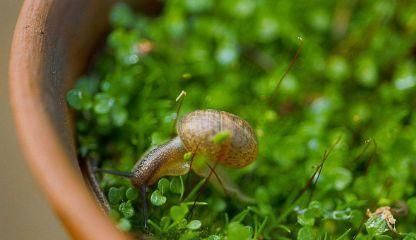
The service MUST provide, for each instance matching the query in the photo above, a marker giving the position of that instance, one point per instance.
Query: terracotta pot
(52, 43)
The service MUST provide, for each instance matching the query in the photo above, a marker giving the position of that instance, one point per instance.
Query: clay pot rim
(49, 161)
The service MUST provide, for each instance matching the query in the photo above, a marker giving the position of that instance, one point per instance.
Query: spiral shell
(197, 129)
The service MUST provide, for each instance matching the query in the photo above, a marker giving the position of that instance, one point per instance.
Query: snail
(196, 131)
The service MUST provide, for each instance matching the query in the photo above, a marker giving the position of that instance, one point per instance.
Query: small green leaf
(366, 71)
(124, 225)
(221, 137)
(79, 99)
(119, 116)
(87, 84)
(218, 204)
(262, 194)
(115, 195)
(181, 224)
(126, 209)
(194, 225)
(74, 97)
(114, 214)
(163, 185)
(178, 212)
(157, 198)
(237, 231)
(132, 194)
(103, 103)
(305, 233)
(345, 214)
(176, 186)
(337, 69)
(315, 209)
(306, 219)
(226, 54)
(376, 225)
(122, 16)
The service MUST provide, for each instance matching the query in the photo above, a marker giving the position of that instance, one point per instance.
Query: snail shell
(197, 129)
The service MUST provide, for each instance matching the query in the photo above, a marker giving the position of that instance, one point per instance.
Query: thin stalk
(115, 172)
(292, 63)
(309, 183)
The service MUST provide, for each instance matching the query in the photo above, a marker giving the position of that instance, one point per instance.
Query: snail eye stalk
(143, 189)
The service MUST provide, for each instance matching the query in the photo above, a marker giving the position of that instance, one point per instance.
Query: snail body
(164, 160)
(196, 131)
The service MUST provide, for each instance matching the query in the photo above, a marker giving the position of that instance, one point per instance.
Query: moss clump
(354, 80)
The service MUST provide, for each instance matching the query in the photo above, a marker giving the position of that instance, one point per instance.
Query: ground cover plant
(337, 136)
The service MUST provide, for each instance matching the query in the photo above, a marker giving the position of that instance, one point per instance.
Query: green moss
(354, 80)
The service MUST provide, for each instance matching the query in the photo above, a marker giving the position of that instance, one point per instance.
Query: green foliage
(114, 214)
(132, 194)
(194, 224)
(79, 99)
(157, 198)
(237, 231)
(163, 185)
(178, 213)
(176, 186)
(305, 233)
(354, 79)
(126, 209)
(124, 224)
(376, 226)
(410, 236)
(115, 195)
